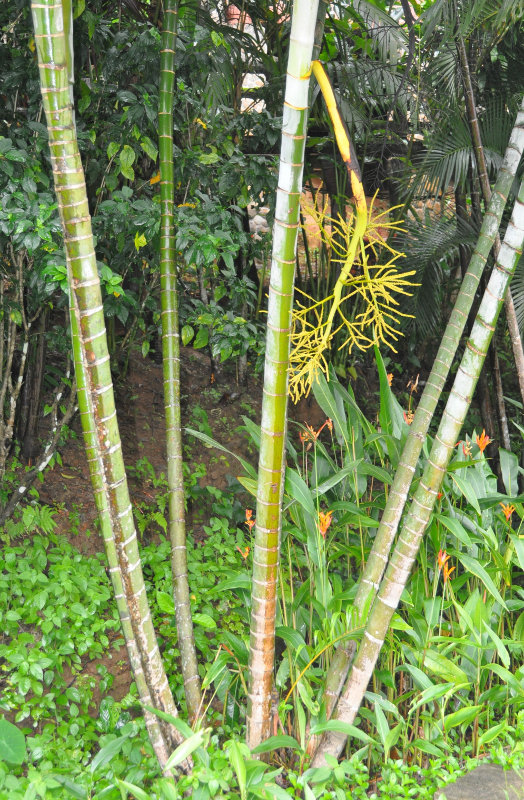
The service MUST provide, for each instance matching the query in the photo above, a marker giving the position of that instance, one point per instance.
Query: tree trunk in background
(171, 365)
(53, 36)
(274, 403)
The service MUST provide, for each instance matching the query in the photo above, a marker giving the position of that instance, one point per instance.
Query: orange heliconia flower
(483, 441)
(244, 553)
(249, 518)
(508, 511)
(442, 561)
(311, 435)
(466, 448)
(324, 521)
(390, 378)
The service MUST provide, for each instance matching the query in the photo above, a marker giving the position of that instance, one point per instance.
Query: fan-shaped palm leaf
(430, 246)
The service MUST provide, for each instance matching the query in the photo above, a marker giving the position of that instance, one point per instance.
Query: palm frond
(447, 161)
(431, 247)
(517, 292)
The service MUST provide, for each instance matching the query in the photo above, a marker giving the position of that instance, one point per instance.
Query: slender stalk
(390, 520)
(95, 389)
(171, 365)
(480, 158)
(425, 496)
(274, 403)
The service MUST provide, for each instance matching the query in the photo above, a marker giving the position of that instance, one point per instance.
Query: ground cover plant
(344, 617)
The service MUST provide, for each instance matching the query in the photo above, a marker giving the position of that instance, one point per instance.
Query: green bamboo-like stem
(482, 170)
(417, 519)
(390, 520)
(95, 390)
(274, 402)
(171, 365)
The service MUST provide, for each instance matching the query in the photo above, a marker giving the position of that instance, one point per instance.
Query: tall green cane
(274, 403)
(417, 519)
(171, 365)
(378, 558)
(52, 23)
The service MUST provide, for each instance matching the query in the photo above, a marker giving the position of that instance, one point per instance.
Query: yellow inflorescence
(373, 315)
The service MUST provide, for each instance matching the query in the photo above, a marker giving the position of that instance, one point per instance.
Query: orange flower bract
(507, 510)
(483, 441)
(324, 521)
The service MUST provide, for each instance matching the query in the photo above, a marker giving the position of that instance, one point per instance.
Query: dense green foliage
(449, 684)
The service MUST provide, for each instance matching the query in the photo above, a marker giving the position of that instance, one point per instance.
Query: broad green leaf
(140, 241)
(127, 156)
(73, 789)
(107, 752)
(324, 397)
(238, 763)
(382, 725)
(492, 733)
(205, 621)
(165, 602)
(213, 443)
(455, 527)
(475, 567)
(499, 644)
(250, 484)
(241, 581)
(467, 490)
(184, 750)
(518, 543)
(12, 743)
(431, 694)
(509, 466)
(298, 490)
(275, 742)
(219, 665)
(112, 149)
(187, 334)
(149, 147)
(463, 715)
(181, 726)
(335, 479)
(393, 736)
(420, 678)
(445, 668)
(128, 172)
(506, 676)
(427, 747)
(202, 338)
(342, 727)
(139, 793)
(391, 415)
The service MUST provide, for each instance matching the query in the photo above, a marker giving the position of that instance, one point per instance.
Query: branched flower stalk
(315, 324)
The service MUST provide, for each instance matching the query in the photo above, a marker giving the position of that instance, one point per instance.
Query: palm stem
(274, 402)
(95, 389)
(171, 366)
